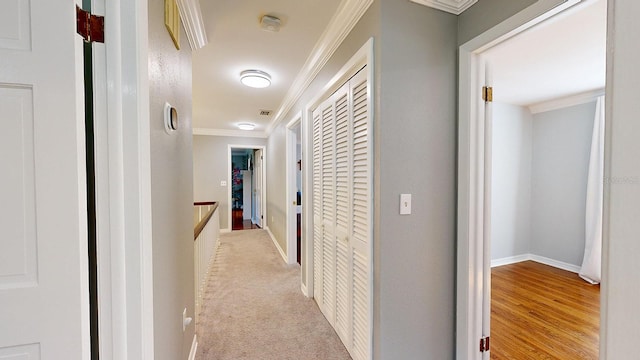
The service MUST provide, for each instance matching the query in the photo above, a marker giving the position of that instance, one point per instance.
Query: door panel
(43, 246)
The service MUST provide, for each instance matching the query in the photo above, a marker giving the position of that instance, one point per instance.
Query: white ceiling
(237, 43)
(562, 56)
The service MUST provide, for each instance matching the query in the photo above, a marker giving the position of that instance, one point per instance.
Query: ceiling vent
(265, 112)
(270, 23)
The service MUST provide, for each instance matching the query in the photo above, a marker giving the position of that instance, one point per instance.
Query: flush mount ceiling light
(255, 78)
(246, 126)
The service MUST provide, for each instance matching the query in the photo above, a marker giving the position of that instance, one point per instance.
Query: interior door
(258, 186)
(486, 237)
(44, 297)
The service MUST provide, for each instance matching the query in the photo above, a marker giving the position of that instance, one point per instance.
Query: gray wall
(171, 190)
(511, 181)
(211, 165)
(415, 254)
(561, 147)
(485, 14)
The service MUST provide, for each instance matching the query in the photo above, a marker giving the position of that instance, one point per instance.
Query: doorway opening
(524, 165)
(246, 184)
(294, 190)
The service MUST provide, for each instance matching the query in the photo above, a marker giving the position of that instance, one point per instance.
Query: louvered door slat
(343, 285)
(317, 208)
(361, 217)
(328, 211)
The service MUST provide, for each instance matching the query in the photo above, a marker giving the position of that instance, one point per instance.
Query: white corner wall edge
(451, 6)
(567, 101)
(537, 258)
(275, 242)
(194, 348)
(232, 133)
(224, 231)
(191, 16)
(303, 288)
(343, 21)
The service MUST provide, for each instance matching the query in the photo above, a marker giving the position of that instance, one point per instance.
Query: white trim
(275, 243)
(510, 260)
(555, 263)
(537, 258)
(224, 231)
(291, 194)
(470, 272)
(194, 348)
(191, 16)
(263, 194)
(566, 101)
(343, 21)
(303, 288)
(456, 7)
(231, 133)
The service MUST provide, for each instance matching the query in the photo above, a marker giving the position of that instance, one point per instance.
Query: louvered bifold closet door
(328, 211)
(317, 207)
(342, 218)
(361, 213)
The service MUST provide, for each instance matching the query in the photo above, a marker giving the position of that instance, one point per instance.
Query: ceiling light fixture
(246, 126)
(255, 78)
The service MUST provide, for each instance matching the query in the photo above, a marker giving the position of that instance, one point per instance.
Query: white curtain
(591, 264)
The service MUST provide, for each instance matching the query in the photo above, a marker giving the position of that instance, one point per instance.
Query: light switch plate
(405, 204)
(223, 183)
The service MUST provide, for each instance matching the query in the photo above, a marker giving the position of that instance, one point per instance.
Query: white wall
(171, 190)
(211, 165)
(511, 181)
(561, 148)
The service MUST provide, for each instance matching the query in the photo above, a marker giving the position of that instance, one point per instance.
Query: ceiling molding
(450, 6)
(232, 133)
(191, 16)
(567, 101)
(343, 21)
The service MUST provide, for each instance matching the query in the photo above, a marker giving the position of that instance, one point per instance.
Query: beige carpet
(254, 309)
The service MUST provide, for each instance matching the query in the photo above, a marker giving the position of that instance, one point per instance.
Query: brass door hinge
(487, 93)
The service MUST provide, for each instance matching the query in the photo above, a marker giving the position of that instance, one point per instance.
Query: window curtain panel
(592, 262)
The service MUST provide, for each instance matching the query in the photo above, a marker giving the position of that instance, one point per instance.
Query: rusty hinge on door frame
(89, 26)
(487, 93)
(485, 344)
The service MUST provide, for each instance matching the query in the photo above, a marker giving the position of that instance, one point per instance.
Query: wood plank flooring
(540, 312)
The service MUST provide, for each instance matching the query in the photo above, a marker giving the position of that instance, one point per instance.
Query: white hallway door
(44, 298)
(342, 203)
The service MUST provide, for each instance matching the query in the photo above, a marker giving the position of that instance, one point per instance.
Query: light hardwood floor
(540, 312)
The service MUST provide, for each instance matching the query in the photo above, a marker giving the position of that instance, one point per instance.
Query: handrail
(198, 229)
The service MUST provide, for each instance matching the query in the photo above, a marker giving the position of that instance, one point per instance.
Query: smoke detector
(270, 23)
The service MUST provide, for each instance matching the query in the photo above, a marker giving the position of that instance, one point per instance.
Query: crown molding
(450, 6)
(191, 16)
(567, 101)
(343, 21)
(232, 133)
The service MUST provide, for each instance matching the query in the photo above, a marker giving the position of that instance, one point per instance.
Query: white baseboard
(556, 263)
(194, 348)
(224, 231)
(510, 260)
(275, 242)
(537, 258)
(303, 288)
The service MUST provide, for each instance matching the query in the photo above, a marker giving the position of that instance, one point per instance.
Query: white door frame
(291, 195)
(263, 206)
(470, 273)
(123, 181)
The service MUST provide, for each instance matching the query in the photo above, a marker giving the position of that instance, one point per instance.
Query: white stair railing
(206, 235)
